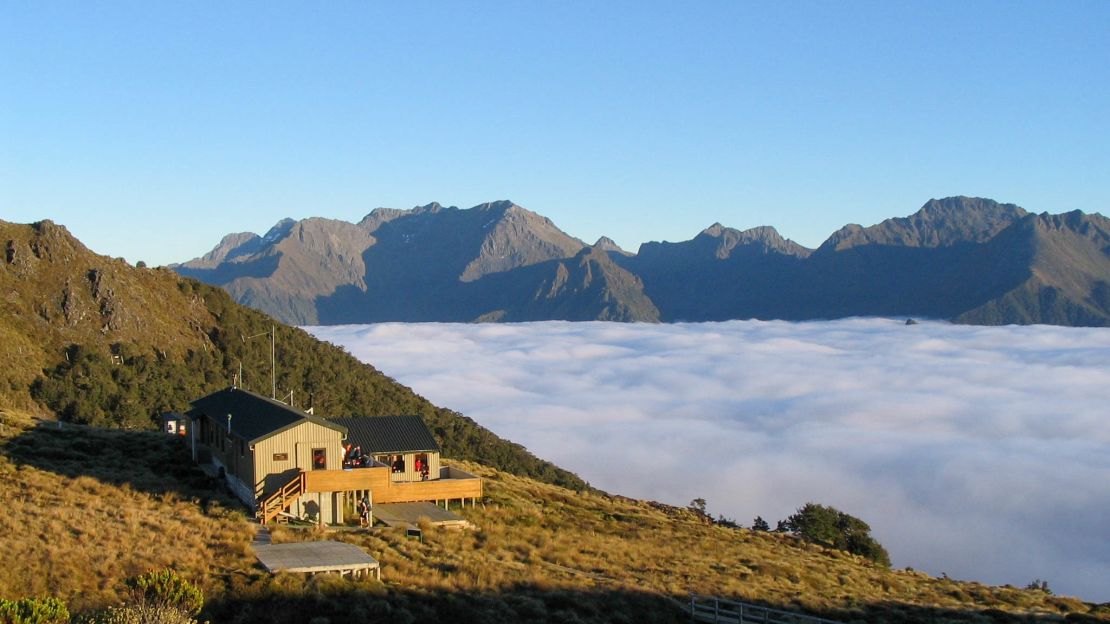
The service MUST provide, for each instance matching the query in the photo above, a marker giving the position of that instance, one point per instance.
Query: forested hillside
(96, 341)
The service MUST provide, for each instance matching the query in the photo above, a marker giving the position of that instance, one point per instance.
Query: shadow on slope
(145, 461)
(589, 286)
(933, 282)
(227, 272)
(288, 599)
(282, 599)
(85, 508)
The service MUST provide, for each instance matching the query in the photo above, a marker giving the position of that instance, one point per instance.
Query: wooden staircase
(280, 500)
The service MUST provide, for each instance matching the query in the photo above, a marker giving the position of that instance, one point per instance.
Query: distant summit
(939, 223)
(607, 244)
(968, 259)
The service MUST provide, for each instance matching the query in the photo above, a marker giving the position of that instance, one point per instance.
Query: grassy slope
(550, 545)
(87, 507)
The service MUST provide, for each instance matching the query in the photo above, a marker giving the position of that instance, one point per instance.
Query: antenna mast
(273, 361)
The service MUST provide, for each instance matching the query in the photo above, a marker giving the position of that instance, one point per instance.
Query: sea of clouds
(980, 452)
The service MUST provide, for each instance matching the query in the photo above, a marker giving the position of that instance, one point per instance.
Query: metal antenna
(273, 358)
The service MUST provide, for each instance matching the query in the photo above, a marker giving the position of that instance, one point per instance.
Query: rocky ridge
(968, 259)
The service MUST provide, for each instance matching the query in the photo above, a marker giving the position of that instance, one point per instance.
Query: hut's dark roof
(253, 416)
(388, 434)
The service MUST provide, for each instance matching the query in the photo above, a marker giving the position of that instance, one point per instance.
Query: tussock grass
(85, 508)
(552, 540)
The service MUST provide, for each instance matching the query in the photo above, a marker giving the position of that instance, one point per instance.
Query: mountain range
(970, 260)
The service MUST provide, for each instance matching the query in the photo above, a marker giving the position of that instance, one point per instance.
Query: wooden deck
(453, 484)
(318, 557)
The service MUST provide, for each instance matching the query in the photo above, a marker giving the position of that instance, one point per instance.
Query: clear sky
(151, 129)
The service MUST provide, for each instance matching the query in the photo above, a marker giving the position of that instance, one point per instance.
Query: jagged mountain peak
(938, 223)
(514, 236)
(714, 230)
(758, 233)
(607, 244)
(501, 204)
(761, 239)
(231, 247)
(378, 216)
(431, 208)
(958, 204)
(1076, 220)
(507, 211)
(280, 230)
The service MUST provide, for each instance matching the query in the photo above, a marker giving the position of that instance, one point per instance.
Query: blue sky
(152, 129)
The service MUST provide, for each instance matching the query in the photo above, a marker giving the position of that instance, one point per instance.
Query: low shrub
(33, 611)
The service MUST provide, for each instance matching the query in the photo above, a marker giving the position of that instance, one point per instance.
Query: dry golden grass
(86, 508)
(543, 537)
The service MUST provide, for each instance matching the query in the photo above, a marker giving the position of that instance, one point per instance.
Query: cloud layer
(981, 452)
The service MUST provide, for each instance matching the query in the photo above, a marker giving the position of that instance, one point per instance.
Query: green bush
(832, 527)
(164, 592)
(33, 611)
(153, 598)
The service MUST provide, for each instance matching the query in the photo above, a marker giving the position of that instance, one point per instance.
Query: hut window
(281, 456)
(319, 459)
(398, 463)
(420, 464)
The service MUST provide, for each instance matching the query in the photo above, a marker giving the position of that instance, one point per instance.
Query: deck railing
(458, 485)
(453, 484)
(718, 611)
(448, 472)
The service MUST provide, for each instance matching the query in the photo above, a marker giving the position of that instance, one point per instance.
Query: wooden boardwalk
(318, 557)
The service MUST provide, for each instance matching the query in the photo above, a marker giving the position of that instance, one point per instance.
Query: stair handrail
(280, 500)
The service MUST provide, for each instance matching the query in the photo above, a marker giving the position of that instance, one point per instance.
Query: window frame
(317, 454)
